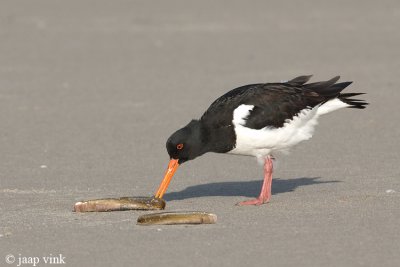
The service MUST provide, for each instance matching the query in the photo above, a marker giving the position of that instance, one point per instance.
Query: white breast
(262, 142)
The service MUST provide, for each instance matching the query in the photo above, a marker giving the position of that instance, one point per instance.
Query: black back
(274, 103)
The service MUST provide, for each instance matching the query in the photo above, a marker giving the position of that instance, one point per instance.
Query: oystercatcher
(258, 120)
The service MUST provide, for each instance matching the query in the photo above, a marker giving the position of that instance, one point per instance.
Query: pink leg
(265, 194)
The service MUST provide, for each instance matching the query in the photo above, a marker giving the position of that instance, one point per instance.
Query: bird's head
(185, 144)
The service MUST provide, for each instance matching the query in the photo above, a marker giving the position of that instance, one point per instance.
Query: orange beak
(172, 167)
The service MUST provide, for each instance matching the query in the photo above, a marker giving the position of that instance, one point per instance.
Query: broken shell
(119, 204)
(183, 217)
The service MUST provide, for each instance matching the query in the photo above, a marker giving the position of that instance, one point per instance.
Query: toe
(250, 202)
(254, 202)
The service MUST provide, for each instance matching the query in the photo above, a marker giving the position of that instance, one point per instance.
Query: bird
(259, 120)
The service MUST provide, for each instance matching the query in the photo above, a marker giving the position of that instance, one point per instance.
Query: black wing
(274, 103)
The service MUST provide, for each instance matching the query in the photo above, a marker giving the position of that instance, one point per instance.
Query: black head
(187, 143)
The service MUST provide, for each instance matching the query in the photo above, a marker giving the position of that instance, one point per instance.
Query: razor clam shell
(120, 204)
(182, 217)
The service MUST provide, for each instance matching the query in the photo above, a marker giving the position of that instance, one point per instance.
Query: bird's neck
(217, 139)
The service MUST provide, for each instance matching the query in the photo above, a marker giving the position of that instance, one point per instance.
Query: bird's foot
(256, 202)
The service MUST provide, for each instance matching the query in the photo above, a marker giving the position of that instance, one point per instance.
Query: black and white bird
(258, 120)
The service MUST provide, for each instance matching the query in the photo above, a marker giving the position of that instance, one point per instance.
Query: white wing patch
(262, 142)
(240, 114)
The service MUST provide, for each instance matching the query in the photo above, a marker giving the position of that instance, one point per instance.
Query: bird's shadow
(245, 189)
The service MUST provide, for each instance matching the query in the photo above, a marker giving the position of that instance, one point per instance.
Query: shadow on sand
(245, 189)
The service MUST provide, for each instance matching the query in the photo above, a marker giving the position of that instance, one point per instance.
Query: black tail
(330, 89)
(354, 103)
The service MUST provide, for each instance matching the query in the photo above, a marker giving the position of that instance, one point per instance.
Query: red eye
(179, 146)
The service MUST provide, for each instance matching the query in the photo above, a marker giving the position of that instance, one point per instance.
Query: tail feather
(353, 103)
(331, 92)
